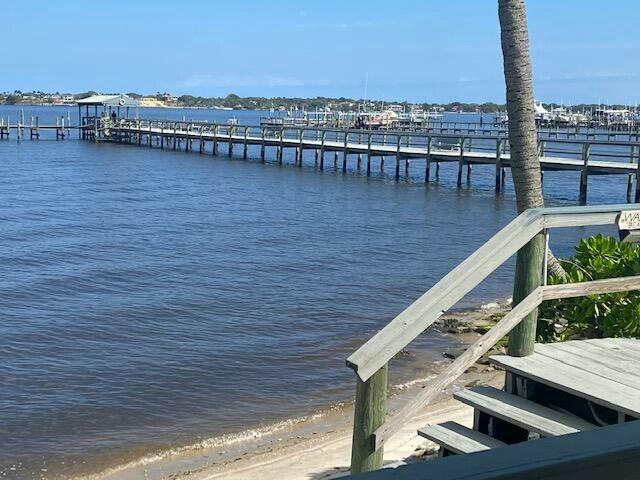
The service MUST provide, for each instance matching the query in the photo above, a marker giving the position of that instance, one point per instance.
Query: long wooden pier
(589, 152)
(587, 156)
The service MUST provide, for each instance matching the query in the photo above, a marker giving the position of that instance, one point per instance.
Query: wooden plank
(573, 380)
(625, 343)
(614, 359)
(614, 346)
(607, 452)
(583, 216)
(458, 438)
(458, 367)
(595, 366)
(522, 412)
(609, 285)
(444, 294)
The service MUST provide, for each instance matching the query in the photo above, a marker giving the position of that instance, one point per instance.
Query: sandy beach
(318, 446)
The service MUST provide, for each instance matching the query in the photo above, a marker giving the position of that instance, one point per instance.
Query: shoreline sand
(317, 446)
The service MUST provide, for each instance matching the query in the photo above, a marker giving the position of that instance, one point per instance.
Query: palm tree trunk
(525, 164)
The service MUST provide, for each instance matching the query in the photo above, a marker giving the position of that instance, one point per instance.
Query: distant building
(167, 98)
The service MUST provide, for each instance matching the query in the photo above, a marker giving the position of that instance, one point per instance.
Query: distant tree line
(279, 103)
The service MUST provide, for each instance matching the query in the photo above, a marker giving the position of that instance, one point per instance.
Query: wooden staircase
(561, 389)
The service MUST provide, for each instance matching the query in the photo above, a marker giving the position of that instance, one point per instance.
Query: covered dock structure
(105, 105)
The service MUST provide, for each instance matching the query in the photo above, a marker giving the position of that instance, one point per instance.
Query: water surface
(153, 298)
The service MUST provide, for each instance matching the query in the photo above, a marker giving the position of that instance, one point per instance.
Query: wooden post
(498, 165)
(322, 140)
(637, 197)
(370, 406)
(398, 145)
(162, 136)
(245, 147)
(369, 155)
(300, 146)
(281, 148)
(461, 162)
(230, 132)
(630, 176)
(584, 174)
(345, 150)
(175, 135)
(427, 167)
(215, 140)
(528, 277)
(262, 145)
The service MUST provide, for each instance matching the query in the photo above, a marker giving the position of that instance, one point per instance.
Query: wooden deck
(600, 371)
(580, 400)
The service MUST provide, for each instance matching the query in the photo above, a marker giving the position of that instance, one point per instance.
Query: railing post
(262, 145)
(369, 154)
(245, 149)
(370, 407)
(427, 167)
(460, 162)
(322, 139)
(584, 175)
(528, 277)
(215, 140)
(637, 197)
(498, 164)
(345, 150)
(301, 146)
(398, 146)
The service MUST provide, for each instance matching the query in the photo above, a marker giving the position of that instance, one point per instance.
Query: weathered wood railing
(588, 156)
(371, 429)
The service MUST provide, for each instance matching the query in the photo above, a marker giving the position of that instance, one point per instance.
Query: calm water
(153, 298)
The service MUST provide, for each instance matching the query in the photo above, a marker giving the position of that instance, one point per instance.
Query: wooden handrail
(489, 339)
(375, 353)
(410, 323)
(392, 133)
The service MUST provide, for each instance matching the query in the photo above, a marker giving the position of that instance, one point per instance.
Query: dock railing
(370, 362)
(589, 156)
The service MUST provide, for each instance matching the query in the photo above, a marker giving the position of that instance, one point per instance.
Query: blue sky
(583, 50)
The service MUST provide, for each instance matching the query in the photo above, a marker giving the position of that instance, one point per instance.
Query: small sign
(629, 226)
(629, 220)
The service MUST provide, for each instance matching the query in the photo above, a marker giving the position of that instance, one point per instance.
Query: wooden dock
(587, 151)
(61, 128)
(365, 147)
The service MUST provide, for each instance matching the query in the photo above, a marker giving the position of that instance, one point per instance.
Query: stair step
(522, 412)
(458, 438)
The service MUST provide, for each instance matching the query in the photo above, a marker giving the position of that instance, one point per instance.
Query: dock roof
(120, 100)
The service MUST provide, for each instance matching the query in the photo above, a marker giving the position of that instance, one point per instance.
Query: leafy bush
(595, 316)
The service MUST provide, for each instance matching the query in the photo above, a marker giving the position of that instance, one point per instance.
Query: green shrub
(595, 316)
